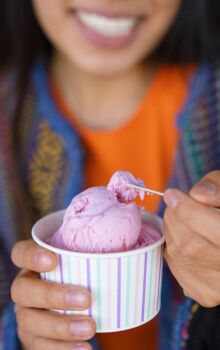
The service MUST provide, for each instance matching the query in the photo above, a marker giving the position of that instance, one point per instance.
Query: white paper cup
(125, 286)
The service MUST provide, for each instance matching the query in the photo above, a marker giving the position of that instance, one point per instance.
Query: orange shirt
(145, 145)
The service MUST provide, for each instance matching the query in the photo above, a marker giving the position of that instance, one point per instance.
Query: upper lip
(106, 13)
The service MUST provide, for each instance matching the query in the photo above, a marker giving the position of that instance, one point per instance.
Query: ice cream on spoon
(105, 219)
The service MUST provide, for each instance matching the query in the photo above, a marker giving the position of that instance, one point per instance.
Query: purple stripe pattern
(113, 307)
(61, 269)
(61, 274)
(89, 282)
(111, 301)
(119, 295)
(159, 279)
(144, 287)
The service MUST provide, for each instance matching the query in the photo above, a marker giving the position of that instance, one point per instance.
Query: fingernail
(43, 260)
(204, 188)
(81, 328)
(170, 198)
(77, 298)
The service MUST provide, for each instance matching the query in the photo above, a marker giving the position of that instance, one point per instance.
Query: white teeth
(107, 26)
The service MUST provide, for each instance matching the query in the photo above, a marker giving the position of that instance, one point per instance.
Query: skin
(191, 224)
(92, 81)
(37, 327)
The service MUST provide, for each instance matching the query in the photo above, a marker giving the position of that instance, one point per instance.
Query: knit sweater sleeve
(8, 337)
(8, 329)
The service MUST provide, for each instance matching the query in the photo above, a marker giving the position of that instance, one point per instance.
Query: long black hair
(194, 37)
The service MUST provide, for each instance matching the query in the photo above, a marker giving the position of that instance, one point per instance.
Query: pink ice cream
(101, 219)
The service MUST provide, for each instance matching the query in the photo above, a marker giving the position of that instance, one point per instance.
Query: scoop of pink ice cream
(96, 222)
(147, 236)
(119, 184)
(99, 221)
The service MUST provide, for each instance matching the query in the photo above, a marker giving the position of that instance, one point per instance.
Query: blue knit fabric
(10, 339)
(183, 314)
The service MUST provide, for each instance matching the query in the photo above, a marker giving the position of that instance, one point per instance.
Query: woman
(66, 66)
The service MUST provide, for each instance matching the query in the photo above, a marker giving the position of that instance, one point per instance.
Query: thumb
(207, 190)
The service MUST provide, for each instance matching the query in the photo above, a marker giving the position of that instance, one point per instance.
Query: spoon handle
(148, 190)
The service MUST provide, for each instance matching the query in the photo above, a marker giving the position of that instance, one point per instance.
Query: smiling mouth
(107, 26)
(106, 23)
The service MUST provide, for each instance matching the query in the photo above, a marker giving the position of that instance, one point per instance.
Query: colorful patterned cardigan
(47, 171)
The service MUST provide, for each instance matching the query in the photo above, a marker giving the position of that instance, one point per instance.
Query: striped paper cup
(125, 286)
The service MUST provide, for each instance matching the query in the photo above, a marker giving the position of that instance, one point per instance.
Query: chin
(106, 65)
(102, 69)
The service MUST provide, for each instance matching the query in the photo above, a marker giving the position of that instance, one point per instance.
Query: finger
(188, 244)
(207, 190)
(35, 343)
(28, 255)
(55, 326)
(198, 217)
(29, 291)
(202, 285)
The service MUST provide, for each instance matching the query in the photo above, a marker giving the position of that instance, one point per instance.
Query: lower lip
(105, 41)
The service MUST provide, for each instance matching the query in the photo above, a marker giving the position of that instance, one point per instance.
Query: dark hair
(194, 37)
